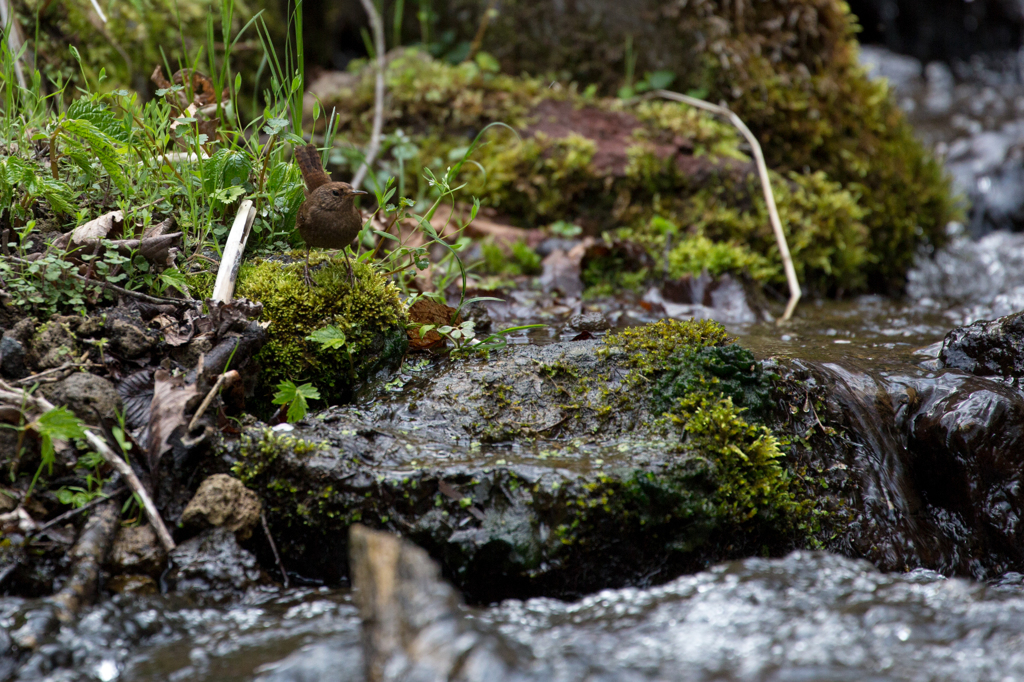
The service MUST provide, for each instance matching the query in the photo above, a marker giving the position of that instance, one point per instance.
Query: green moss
(650, 348)
(695, 254)
(370, 314)
(851, 181)
(521, 261)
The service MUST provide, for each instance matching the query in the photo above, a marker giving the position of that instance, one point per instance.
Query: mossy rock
(789, 69)
(609, 163)
(553, 469)
(370, 314)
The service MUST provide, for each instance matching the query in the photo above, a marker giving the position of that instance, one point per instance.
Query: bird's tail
(308, 159)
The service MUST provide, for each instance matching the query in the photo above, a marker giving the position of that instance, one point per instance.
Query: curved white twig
(766, 185)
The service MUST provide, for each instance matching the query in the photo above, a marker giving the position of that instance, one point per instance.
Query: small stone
(589, 322)
(133, 584)
(223, 501)
(86, 395)
(12, 358)
(212, 562)
(137, 551)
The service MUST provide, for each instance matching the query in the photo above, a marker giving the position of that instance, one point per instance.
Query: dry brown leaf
(166, 413)
(426, 311)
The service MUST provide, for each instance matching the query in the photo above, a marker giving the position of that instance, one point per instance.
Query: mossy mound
(789, 69)
(548, 469)
(370, 314)
(608, 163)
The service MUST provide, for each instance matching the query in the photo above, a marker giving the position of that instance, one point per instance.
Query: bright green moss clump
(704, 391)
(371, 316)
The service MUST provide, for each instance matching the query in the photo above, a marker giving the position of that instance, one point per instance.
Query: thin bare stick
(377, 26)
(98, 444)
(156, 300)
(206, 402)
(74, 512)
(56, 370)
(478, 39)
(273, 548)
(766, 185)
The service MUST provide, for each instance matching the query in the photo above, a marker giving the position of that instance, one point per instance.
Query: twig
(206, 402)
(478, 39)
(87, 556)
(769, 197)
(273, 548)
(157, 300)
(74, 512)
(377, 26)
(56, 370)
(100, 445)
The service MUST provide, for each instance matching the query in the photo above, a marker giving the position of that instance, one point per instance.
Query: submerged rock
(212, 565)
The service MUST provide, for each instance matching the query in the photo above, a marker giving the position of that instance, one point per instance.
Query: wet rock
(589, 322)
(412, 626)
(137, 550)
(913, 472)
(223, 501)
(12, 358)
(727, 299)
(212, 564)
(941, 29)
(88, 396)
(519, 470)
(994, 348)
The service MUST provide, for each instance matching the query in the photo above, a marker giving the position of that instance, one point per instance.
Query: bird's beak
(359, 191)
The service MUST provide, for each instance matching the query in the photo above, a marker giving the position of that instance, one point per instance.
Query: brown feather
(308, 160)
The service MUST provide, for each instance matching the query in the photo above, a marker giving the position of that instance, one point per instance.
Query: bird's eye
(335, 192)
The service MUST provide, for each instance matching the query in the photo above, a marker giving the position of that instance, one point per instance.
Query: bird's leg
(348, 264)
(306, 277)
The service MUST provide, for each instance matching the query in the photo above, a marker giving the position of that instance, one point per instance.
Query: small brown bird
(328, 218)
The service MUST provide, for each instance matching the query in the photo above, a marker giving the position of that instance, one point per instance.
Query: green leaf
(329, 337)
(295, 397)
(59, 423)
(101, 147)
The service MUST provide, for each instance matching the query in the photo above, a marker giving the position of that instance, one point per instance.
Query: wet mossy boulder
(608, 163)
(789, 69)
(370, 317)
(554, 469)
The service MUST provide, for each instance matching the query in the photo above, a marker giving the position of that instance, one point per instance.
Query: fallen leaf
(166, 413)
(426, 311)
